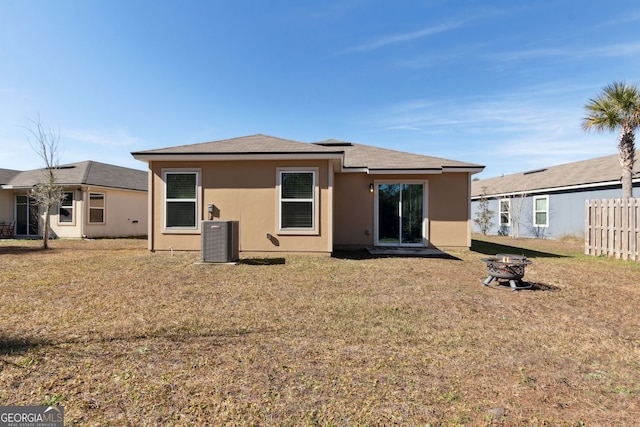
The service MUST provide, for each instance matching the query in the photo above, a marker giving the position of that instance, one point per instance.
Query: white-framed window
(96, 208)
(181, 199)
(505, 212)
(541, 211)
(297, 200)
(65, 209)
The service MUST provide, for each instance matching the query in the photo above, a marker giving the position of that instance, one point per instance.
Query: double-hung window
(298, 205)
(541, 211)
(65, 210)
(181, 199)
(96, 208)
(505, 212)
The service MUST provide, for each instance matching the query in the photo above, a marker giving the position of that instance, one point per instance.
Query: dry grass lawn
(123, 337)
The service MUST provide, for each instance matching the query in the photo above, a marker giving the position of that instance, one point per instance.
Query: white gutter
(84, 190)
(426, 171)
(404, 171)
(471, 170)
(234, 156)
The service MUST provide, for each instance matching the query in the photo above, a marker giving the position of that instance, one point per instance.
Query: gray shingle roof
(253, 144)
(85, 173)
(601, 170)
(355, 155)
(7, 175)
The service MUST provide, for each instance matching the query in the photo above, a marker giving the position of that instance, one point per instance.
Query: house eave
(236, 156)
(16, 187)
(472, 170)
(424, 171)
(430, 171)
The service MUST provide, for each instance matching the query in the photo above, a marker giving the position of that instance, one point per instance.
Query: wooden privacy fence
(612, 228)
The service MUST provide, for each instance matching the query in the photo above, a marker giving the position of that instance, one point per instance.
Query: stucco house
(550, 202)
(298, 197)
(101, 200)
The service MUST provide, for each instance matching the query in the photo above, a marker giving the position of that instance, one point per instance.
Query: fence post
(625, 228)
(587, 227)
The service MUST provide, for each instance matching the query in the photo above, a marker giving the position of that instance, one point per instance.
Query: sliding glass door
(27, 216)
(401, 214)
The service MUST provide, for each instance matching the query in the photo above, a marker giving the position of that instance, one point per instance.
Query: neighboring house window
(181, 199)
(541, 211)
(298, 194)
(65, 210)
(505, 212)
(96, 208)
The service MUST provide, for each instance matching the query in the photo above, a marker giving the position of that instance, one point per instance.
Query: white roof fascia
(17, 187)
(463, 169)
(234, 156)
(404, 171)
(353, 170)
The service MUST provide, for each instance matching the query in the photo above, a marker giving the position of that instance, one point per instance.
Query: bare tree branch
(45, 143)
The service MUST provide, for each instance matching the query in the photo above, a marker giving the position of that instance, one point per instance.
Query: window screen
(181, 201)
(65, 210)
(297, 191)
(96, 207)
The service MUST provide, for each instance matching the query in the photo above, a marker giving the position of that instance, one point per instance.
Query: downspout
(150, 210)
(469, 213)
(330, 185)
(83, 208)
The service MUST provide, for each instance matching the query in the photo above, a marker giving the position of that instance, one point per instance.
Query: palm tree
(617, 107)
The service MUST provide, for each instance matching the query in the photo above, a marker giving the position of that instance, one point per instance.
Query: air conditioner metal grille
(220, 241)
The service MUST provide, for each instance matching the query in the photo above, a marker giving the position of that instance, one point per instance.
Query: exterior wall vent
(220, 241)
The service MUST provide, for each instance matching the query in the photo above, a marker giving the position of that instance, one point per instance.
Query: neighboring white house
(550, 202)
(101, 200)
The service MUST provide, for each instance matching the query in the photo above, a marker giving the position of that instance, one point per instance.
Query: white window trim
(314, 229)
(181, 230)
(72, 208)
(104, 208)
(546, 211)
(508, 223)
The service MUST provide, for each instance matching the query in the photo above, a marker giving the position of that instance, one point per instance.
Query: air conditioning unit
(220, 241)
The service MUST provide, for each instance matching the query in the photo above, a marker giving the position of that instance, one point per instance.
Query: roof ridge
(85, 178)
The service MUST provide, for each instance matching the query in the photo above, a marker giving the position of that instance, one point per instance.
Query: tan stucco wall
(68, 229)
(447, 208)
(6, 206)
(122, 209)
(246, 192)
(125, 214)
(353, 211)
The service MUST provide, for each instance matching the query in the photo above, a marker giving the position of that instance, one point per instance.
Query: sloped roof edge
(85, 173)
(597, 172)
(355, 157)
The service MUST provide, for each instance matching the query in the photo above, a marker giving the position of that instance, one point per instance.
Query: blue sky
(498, 83)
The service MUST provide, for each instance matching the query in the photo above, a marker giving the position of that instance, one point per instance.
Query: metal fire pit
(507, 267)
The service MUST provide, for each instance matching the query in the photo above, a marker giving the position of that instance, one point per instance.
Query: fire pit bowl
(507, 267)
